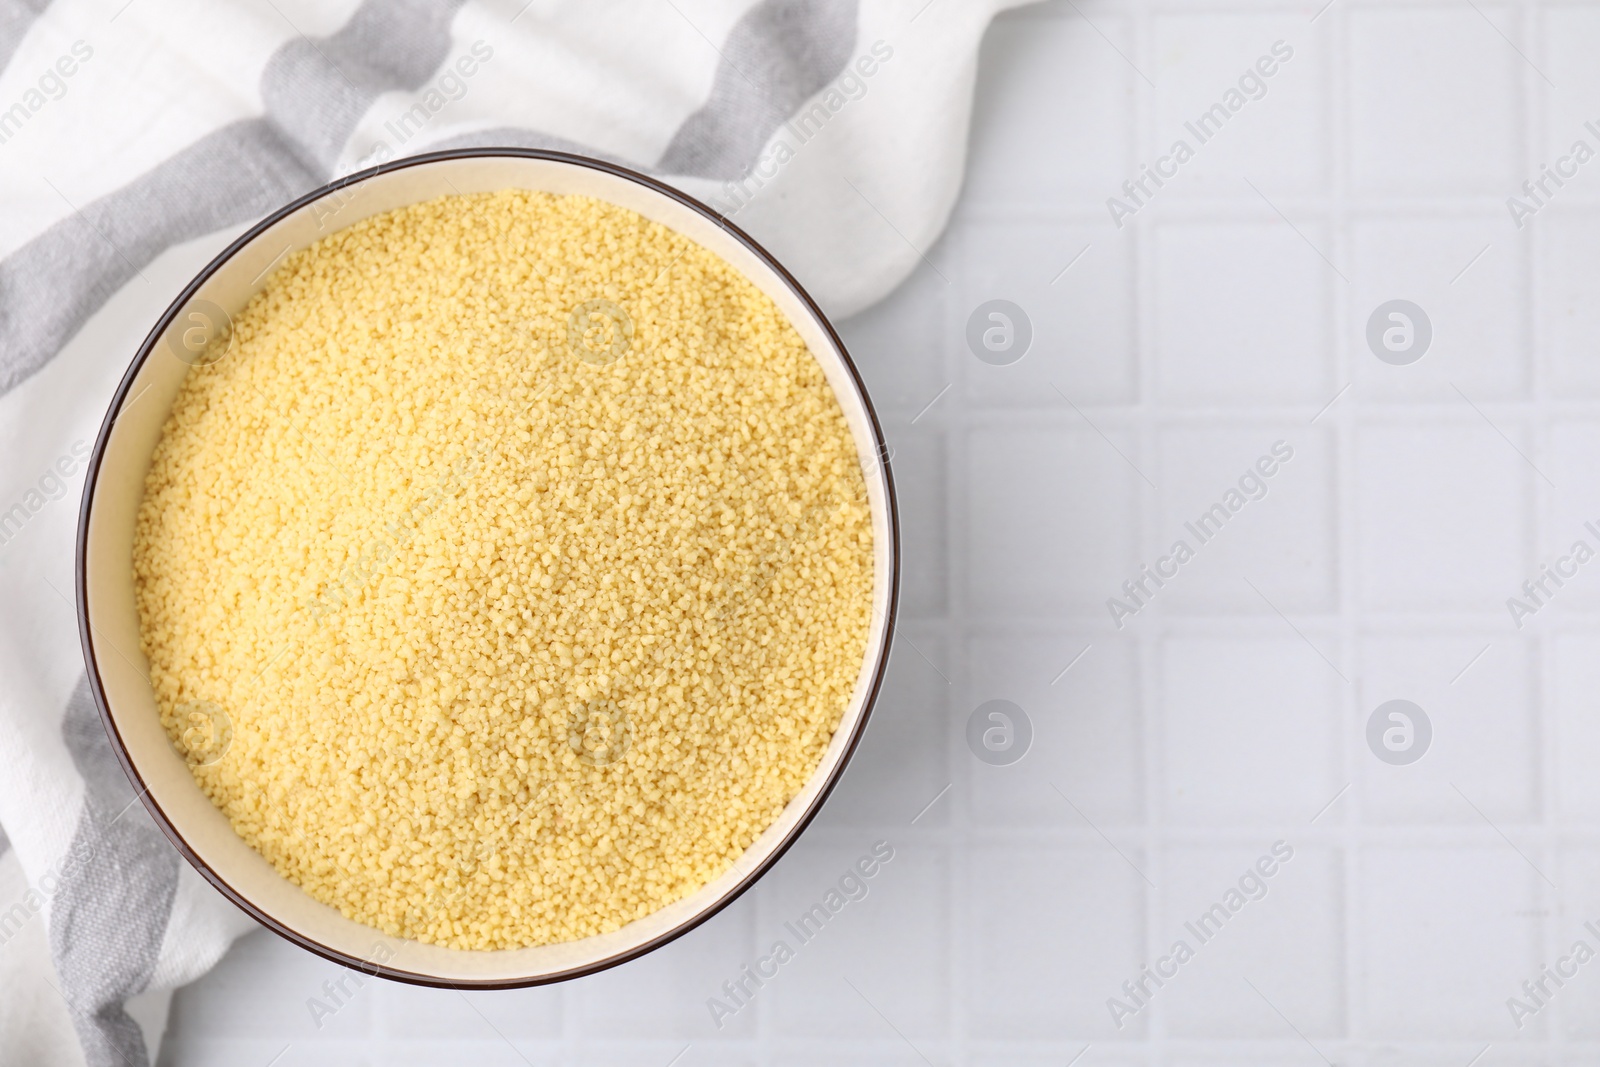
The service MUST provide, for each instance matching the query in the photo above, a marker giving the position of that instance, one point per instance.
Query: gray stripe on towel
(780, 54)
(15, 18)
(315, 93)
(115, 887)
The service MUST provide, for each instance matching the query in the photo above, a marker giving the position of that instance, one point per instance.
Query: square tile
(1576, 1004)
(1569, 319)
(1445, 935)
(1467, 275)
(1441, 514)
(1241, 313)
(1281, 932)
(1039, 969)
(1076, 287)
(1086, 729)
(324, 1001)
(1082, 154)
(901, 763)
(417, 1013)
(1434, 100)
(1051, 519)
(1568, 34)
(1274, 130)
(1574, 449)
(1575, 714)
(891, 945)
(664, 993)
(1249, 728)
(1244, 526)
(1479, 693)
(900, 344)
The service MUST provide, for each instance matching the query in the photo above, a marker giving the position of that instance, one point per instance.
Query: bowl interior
(111, 630)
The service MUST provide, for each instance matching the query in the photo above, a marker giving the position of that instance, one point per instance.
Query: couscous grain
(509, 574)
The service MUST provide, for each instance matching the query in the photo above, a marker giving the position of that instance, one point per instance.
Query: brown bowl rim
(91, 480)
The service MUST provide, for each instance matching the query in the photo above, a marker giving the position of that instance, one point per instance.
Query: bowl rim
(91, 480)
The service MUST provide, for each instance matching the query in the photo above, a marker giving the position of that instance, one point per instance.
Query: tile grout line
(955, 434)
(1335, 92)
(1330, 37)
(1535, 108)
(1147, 643)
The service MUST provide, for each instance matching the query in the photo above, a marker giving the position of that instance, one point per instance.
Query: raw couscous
(509, 573)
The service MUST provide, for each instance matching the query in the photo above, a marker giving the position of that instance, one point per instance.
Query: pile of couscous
(510, 571)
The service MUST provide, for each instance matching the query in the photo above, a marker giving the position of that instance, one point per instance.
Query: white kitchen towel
(833, 130)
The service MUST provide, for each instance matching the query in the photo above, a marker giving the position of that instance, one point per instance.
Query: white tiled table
(1230, 713)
